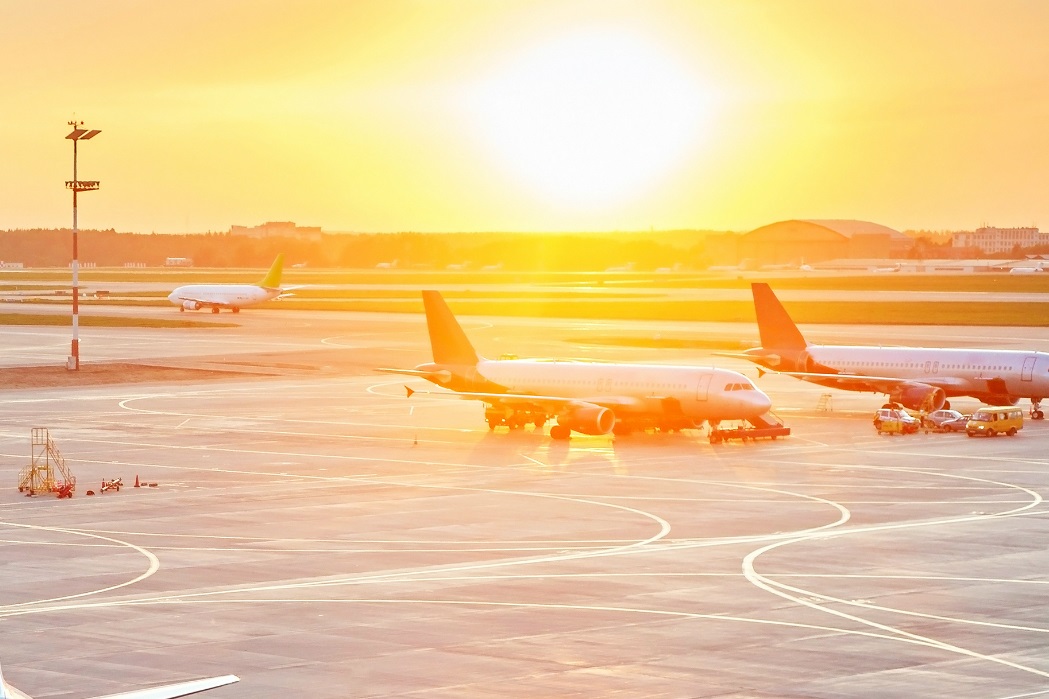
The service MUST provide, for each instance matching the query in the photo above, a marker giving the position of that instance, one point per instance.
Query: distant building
(278, 229)
(802, 241)
(178, 262)
(991, 239)
(11, 265)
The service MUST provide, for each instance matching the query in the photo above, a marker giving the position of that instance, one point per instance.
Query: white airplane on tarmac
(170, 691)
(919, 378)
(193, 297)
(593, 398)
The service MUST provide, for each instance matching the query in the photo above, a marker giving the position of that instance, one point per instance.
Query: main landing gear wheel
(214, 309)
(560, 432)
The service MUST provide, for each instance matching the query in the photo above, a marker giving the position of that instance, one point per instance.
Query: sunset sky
(533, 115)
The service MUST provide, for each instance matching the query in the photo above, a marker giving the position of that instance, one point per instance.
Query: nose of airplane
(760, 401)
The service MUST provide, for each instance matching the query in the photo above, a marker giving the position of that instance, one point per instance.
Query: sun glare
(588, 120)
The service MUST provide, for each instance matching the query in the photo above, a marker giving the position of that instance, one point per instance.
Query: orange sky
(481, 115)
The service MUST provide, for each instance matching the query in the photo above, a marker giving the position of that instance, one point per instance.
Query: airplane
(919, 378)
(594, 398)
(170, 691)
(193, 297)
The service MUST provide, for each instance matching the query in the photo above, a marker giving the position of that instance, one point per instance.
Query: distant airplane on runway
(193, 297)
(590, 397)
(916, 377)
(170, 691)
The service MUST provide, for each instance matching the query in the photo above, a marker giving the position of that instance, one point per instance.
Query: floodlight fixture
(77, 134)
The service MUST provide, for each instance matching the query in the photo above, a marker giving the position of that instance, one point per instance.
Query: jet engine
(588, 419)
(191, 305)
(919, 396)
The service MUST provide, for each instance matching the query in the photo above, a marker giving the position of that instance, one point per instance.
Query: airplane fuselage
(980, 373)
(632, 390)
(195, 296)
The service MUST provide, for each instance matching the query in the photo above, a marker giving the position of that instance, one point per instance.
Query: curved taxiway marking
(153, 567)
(815, 600)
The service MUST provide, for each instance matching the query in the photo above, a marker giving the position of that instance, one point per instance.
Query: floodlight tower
(78, 134)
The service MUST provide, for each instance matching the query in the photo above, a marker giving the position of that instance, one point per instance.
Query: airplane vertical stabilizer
(777, 330)
(447, 339)
(272, 278)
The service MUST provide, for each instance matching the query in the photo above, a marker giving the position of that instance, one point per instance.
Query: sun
(588, 119)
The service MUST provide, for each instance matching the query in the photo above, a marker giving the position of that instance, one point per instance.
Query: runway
(316, 532)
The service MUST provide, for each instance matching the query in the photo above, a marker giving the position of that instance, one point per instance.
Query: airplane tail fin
(447, 339)
(272, 278)
(775, 327)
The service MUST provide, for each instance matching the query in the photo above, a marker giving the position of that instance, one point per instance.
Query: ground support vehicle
(891, 426)
(908, 424)
(745, 432)
(995, 420)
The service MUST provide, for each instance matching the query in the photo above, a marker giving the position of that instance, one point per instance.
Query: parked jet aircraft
(917, 377)
(589, 397)
(170, 691)
(233, 296)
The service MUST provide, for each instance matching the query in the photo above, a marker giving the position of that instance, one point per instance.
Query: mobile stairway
(766, 426)
(40, 475)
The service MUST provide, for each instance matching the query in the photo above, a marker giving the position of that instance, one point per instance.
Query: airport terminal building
(990, 239)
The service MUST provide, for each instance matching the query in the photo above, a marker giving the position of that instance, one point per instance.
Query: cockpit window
(739, 387)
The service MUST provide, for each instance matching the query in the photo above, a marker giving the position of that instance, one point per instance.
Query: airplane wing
(171, 691)
(874, 384)
(182, 689)
(549, 404)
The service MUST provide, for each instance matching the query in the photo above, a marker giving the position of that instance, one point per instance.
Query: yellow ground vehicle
(995, 420)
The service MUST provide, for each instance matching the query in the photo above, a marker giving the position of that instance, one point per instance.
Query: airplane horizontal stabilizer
(421, 373)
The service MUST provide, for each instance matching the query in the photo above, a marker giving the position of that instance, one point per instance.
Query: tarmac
(318, 533)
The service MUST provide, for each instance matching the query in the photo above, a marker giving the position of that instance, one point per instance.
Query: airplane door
(703, 387)
(1028, 371)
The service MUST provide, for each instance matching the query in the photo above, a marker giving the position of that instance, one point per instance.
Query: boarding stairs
(824, 404)
(47, 472)
(767, 426)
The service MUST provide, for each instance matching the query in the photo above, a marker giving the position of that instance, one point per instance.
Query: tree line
(509, 251)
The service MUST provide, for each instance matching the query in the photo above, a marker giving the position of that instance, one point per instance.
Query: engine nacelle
(589, 419)
(919, 396)
(992, 399)
(191, 305)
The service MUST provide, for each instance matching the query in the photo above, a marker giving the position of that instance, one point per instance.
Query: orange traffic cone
(136, 481)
